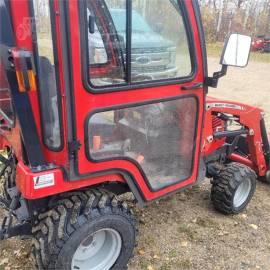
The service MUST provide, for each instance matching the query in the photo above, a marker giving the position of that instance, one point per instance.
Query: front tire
(84, 231)
(233, 188)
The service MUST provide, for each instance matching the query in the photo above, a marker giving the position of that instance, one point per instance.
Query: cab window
(6, 107)
(159, 137)
(159, 46)
(7, 115)
(47, 75)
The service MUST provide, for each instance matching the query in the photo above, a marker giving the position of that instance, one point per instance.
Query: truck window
(47, 75)
(106, 46)
(159, 45)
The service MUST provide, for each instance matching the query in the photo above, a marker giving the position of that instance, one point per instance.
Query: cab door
(138, 97)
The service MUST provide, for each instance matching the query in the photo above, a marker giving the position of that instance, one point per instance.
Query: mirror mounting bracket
(213, 81)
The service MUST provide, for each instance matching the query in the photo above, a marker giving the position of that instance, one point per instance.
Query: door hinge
(74, 146)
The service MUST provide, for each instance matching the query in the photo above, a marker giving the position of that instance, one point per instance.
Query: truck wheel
(233, 188)
(85, 230)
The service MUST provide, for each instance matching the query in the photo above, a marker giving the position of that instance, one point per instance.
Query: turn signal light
(25, 70)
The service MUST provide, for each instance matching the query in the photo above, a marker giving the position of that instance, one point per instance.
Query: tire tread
(225, 184)
(70, 212)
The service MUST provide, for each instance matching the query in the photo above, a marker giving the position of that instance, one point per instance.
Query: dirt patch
(250, 85)
(184, 231)
(15, 254)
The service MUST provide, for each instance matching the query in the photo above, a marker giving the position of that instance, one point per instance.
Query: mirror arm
(213, 81)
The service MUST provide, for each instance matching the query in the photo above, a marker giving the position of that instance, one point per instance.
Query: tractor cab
(99, 98)
(109, 89)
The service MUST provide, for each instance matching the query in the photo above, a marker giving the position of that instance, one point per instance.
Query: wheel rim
(242, 193)
(98, 251)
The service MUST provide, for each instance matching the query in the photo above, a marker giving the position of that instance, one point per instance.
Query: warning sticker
(43, 181)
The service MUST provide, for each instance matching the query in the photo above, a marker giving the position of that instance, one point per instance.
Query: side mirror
(236, 51)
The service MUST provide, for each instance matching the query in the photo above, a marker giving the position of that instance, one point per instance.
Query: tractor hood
(225, 104)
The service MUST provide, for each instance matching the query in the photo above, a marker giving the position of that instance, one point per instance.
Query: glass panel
(159, 43)
(160, 47)
(47, 75)
(159, 137)
(6, 109)
(107, 45)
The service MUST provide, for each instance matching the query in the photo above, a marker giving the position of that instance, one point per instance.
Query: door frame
(201, 70)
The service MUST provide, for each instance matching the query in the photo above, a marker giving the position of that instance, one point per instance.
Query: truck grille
(148, 50)
(150, 60)
(150, 69)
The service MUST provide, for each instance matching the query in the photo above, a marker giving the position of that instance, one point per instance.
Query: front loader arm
(250, 124)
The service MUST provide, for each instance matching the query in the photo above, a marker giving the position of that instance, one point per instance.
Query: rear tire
(233, 188)
(85, 230)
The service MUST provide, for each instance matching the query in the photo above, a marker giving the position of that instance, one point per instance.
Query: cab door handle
(193, 87)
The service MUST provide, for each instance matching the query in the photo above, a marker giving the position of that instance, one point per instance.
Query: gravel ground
(184, 231)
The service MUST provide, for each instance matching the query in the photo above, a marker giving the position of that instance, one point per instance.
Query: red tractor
(103, 97)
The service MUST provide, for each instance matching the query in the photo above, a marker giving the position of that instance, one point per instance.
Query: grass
(173, 254)
(215, 50)
(180, 265)
(188, 231)
(260, 57)
(206, 222)
(184, 264)
(143, 264)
